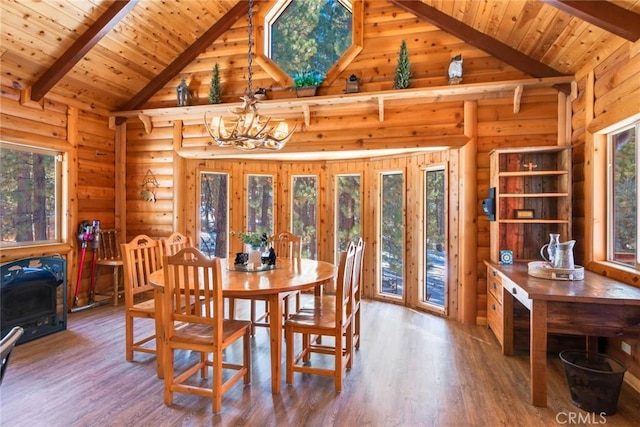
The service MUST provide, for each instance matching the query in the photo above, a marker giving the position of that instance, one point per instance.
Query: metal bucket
(594, 380)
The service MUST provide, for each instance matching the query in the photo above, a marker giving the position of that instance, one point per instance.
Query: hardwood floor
(412, 369)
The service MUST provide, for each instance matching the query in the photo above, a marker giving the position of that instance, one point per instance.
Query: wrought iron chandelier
(249, 130)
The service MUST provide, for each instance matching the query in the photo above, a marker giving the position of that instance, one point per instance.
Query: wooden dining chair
(175, 242)
(333, 320)
(357, 290)
(202, 329)
(141, 257)
(109, 256)
(286, 245)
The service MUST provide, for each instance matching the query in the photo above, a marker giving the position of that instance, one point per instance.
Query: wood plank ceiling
(115, 55)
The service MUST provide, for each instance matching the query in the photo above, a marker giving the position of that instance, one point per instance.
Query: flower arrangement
(255, 240)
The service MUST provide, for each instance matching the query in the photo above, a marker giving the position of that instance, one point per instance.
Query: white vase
(255, 257)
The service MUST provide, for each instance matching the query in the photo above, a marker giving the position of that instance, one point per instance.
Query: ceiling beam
(80, 47)
(606, 15)
(480, 40)
(191, 53)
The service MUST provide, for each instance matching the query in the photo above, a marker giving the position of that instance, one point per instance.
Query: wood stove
(33, 295)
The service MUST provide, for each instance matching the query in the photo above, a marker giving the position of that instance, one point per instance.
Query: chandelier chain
(250, 57)
(249, 130)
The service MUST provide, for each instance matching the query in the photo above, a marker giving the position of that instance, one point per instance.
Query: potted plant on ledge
(306, 83)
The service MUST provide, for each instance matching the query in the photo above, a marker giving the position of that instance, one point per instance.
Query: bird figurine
(455, 70)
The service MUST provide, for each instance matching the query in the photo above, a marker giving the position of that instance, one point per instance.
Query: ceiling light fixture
(249, 130)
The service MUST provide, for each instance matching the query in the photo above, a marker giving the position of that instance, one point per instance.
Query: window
(316, 45)
(391, 229)
(30, 211)
(214, 211)
(435, 237)
(347, 216)
(623, 217)
(304, 213)
(260, 204)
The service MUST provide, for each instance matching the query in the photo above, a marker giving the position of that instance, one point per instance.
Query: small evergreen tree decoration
(215, 91)
(403, 70)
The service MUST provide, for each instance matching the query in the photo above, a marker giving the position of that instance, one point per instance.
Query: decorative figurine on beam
(455, 70)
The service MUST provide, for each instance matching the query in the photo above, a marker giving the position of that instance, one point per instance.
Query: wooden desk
(290, 275)
(595, 306)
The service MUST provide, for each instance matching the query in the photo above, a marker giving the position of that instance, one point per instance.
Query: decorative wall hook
(149, 182)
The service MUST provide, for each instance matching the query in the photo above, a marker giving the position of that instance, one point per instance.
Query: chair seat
(324, 318)
(110, 262)
(200, 334)
(145, 306)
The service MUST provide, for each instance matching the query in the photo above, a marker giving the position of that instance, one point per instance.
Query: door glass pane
(214, 212)
(260, 204)
(392, 233)
(347, 211)
(304, 210)
(435, 238)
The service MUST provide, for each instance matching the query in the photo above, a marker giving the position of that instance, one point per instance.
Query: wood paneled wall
(606, 95)
(81, 132)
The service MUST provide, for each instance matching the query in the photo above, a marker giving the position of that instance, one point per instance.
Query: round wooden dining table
(288, 275)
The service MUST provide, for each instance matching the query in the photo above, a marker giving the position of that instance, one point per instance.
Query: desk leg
(507, 323)
(158, 298)
(275, 332)
(538, 354)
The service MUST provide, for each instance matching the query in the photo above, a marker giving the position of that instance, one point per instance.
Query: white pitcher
(564, 255)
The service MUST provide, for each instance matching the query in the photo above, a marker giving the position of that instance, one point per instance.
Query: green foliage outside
(260, 204)
(213, 211)
(392, 222)
(304, 211)
(435, 219)
(27, 196)
(625, 192)
(348, 215)
(310, 35)
(215, 90)
(403, 70)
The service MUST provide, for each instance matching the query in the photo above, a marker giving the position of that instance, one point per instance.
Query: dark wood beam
(606, 15)
(80, 47)
(480, 40)
(216, 30)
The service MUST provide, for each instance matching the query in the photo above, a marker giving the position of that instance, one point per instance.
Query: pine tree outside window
(30, 195)
(623, 217)
(315, 46)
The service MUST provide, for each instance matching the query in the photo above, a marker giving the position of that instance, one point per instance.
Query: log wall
(497, 126)
(384, 26)
(607, 94)
(81, 132)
